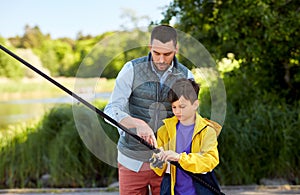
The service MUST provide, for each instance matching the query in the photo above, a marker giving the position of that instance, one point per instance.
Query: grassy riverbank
(51, 153)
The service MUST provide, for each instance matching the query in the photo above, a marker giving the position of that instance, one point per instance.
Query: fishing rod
(105, 116)
(74, 95)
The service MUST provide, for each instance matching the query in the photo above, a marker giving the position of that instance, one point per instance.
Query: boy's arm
(206, 159)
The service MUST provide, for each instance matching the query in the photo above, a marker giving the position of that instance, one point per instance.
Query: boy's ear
(196, 104)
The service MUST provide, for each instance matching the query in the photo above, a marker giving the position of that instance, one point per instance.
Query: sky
(66, 18)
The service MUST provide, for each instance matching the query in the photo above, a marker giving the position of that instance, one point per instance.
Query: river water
(14, 112)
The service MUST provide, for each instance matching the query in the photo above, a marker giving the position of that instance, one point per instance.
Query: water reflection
(16, 111)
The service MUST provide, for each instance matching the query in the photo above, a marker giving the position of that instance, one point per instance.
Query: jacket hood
(216, 126)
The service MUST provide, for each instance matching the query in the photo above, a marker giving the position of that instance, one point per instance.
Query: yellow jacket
(204, 156)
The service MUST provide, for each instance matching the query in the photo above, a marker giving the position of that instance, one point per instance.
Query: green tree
(33, 37)
(9, 67)
(105, 55)
(261, 39)
(263, 34)
(58, 56)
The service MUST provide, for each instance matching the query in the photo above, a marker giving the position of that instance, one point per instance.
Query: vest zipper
(157, 107)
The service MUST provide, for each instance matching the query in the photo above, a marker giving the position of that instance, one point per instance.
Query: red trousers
(138, 183)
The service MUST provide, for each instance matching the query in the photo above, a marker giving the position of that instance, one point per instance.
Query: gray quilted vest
(148, 101)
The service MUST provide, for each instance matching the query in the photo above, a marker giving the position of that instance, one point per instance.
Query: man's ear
(176, 49)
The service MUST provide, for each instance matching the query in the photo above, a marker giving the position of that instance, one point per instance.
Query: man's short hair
(164, 33)
(187, 88)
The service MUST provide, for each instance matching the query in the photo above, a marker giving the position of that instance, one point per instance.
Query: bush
(53, 148)
(259, 139)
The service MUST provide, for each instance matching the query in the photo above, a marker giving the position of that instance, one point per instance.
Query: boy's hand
(168, 155)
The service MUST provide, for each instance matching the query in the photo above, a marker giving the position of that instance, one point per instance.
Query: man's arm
(117, 108)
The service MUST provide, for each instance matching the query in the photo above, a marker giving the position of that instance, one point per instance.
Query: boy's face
(185, 111)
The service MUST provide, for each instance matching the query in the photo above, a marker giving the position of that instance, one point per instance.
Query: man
(139, 102)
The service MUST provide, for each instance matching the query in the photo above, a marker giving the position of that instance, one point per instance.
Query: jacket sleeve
(204, 156)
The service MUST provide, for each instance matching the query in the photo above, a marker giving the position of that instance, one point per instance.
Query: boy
(188, 139)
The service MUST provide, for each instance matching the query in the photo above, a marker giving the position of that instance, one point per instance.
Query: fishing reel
(156, 163)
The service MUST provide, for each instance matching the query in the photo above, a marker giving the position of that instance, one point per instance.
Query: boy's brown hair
(187, 88)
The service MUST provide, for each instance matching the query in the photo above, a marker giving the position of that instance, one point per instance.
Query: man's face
(162, 54)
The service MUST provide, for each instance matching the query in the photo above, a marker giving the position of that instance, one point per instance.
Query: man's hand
(145, 132)
(142, 129)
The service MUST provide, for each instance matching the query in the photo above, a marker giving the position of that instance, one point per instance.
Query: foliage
(263, 34)
(33, 37)
(53, 148)
(258, 141)
(9, 67)
(261, 40)
(111, 52)
(102, 55)
(259, 137)
(57, 56)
